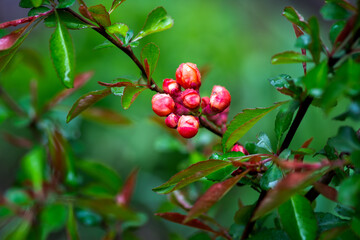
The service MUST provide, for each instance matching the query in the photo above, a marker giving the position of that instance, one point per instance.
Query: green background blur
(234, 38)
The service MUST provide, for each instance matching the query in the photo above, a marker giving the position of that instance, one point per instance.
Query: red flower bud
(162, 104)
(220, 99)
(172, 120)
(190, 98)
(204, 102)
(170, 86)
(188, 76)
(238, 148)
(188, 126)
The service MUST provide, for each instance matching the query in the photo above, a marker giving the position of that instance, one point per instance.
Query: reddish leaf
(130, 94)
(9, 40)
(124, 196)
(57, 155)
(100, 15)
(179, 218)
(118, 84)
(212, 196)
(299, 157)
(327, 191)
(105, 116)
(16, 22)
(288, 186)
(294, 165)
(85, 102)
(79, 81)
(349, 27)
(18, 141)
(179, 199)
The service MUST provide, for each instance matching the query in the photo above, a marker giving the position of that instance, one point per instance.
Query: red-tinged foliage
(195, 223)
(124, 196)
(293, 165)
(79, 81)
(327, 191)
(212, 196)
(17, 22)
(284, 189)
(58, 151)
(18, 141)
(349, 27)
(9, 40)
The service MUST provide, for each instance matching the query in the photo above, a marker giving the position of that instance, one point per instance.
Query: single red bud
(238, 148)
(188, 126)
(162, 104)
(170, 86)
(188, 76)
(220, 99)
(172, 120)
(204, 102)
(190, 98)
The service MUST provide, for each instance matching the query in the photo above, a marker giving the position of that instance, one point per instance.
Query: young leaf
(349, 192)
(20, 232)
(290, 57)
(345, 141)
(150, 55)
(105, 116)
(328, 221)
(179, 218)
(130, 94)
(53, 218)
(67, 19)
(124, 196)
(191, 174)
(37, 3)
(271, 177)
(315, 46)
(33, 165)
(284, 118)
(118, 28)
(212, 196)
(316, 79)
(11, 39)
(242, 123)
(333, 11)
(62, 53)
(65, 3)
(71, 225)
(100, 15)
(38, 11)
(157, 21)
(284, 189)
(293, 16)
(298, 219)
(327, 191)
(85, 102)
(115, 4)
(264, 142)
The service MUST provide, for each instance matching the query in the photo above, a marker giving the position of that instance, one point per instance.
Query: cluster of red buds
(181, 102)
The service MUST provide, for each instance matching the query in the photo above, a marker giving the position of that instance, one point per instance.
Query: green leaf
(336, 29)
(303, 41)
(349, 192)
(293, 16)
(284, 118)
(271, 177)
(316, 79)
(62, 53)
(26, 4)
(115, 4)
(344, 211)
(65, 3)
(345, 141)
(286, 85)
(332, 11)
(130, 94)
(270, 234)
(149, 58)
(118, 28)
(33, 166)
(102, 173)
(53, 218)
(327, 221)
(18, 197)
(290, 57)
(86, 101)
(212, 196)
(20, 232)
(38, 10)
(37, 3)
(157, 21)
(191, 174)
(242, 123)
(298, 218)
(264, 142)
(67, 19)
(88, 218)
(315, 46)
(100, 15)
(223, 173)
(71, 225)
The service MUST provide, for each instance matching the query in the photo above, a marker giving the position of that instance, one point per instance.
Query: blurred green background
(234, 38)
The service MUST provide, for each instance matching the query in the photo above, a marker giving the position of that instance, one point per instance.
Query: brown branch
(206, 124)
